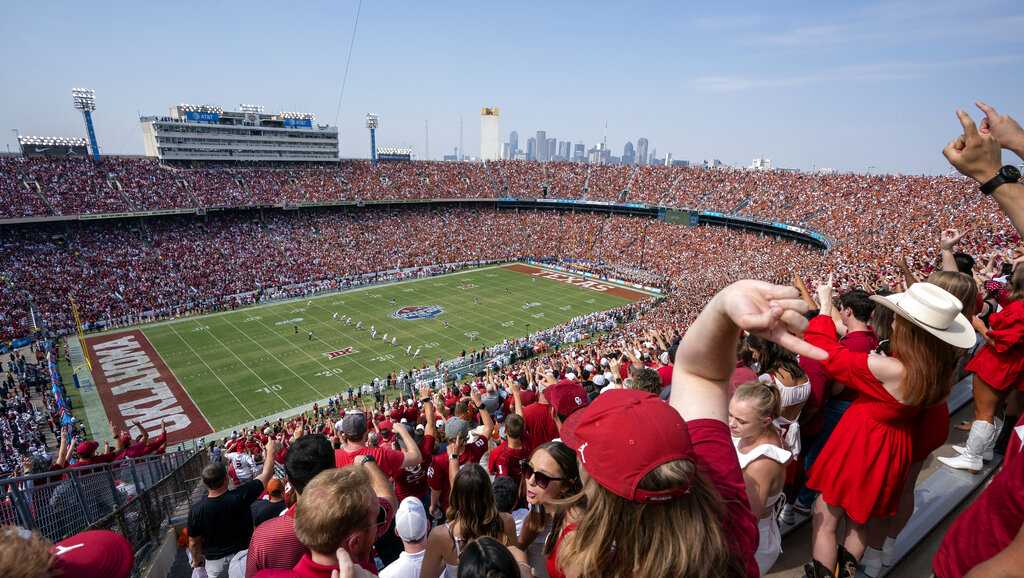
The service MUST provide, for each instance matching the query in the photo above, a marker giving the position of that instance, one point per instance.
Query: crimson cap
(624, 435)
(567, 397)
(94, 554)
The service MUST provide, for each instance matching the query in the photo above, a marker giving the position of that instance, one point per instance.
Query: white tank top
(769, 451)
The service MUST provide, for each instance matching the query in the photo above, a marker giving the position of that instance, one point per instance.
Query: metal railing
(127, 496)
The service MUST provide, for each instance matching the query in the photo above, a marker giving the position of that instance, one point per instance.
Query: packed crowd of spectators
(181, 264)
(669, 444)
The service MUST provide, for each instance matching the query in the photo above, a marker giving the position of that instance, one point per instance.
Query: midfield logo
(412, 312)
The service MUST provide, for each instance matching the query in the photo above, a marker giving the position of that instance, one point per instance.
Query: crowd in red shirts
(664, 447)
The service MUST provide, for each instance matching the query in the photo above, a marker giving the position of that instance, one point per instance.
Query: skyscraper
(641, 150)
(552, 152)
(565, 151)
(542, 146)
(579, 152)
(490, 134)
(505, 152)
(531, 149)
(628, 154)
(513, 143)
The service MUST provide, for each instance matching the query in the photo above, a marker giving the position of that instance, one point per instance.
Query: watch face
(1010, 173)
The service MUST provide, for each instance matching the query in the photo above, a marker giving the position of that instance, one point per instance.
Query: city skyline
(853, 87)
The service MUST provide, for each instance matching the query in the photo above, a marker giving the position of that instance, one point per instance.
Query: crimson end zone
(136, 385)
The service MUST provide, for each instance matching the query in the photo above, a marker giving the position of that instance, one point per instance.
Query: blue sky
(808, 84)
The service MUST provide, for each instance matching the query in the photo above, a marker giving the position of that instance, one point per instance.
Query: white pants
(770, 544)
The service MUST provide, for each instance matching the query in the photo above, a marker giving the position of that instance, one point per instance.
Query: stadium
(211, 352)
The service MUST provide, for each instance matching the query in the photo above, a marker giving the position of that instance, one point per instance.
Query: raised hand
(974, 154)
(773, 312)
(1002, 127)
(949, 239)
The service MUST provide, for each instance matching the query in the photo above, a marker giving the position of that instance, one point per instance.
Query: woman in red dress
(998, 369)
(931, 433)
(862, 469)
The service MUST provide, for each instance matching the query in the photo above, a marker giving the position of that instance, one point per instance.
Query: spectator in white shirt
(412, 527)
(244, 464)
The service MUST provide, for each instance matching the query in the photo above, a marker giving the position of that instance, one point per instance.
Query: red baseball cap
(624, 435)
(94, 554)
(385, 428)
(86, 448)
(567, 397)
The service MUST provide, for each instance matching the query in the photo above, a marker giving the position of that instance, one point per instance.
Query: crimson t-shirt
(413, 481)
(540, 426)
(389, 461)
(504, 461)
(437, 478)
(473, 452)
(715, 455)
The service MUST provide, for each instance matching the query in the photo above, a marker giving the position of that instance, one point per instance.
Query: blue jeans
(833, 412)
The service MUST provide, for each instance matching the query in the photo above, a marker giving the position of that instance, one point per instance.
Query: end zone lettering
(573, 280)
(135, 385)
(339, 353)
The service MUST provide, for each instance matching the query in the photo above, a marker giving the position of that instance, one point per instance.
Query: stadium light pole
(372, 122)
(17, 139)
(85, 101)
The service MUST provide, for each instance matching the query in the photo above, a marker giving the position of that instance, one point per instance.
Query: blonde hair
(24, 555)
(765, 398)
(683, 537)
(331, 507)
(958, 285)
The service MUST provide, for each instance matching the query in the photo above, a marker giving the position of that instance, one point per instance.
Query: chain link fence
(130, 496)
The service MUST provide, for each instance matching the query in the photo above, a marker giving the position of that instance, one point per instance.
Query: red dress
(865, 462)
(1001, 364)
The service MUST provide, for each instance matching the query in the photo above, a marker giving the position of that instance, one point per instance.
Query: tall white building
(209, 133)
(761, 164)
(490, 134)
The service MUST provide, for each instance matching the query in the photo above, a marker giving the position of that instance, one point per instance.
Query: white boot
(989, 448)
(987, 456)
(977, 442)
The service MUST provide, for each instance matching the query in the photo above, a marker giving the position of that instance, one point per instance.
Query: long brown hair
(472, 505)
(683, 537)
(535, 521)
(928, 363)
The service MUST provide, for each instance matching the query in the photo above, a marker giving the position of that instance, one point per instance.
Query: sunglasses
(539, 478)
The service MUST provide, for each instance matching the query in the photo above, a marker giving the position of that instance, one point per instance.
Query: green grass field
(247, 364)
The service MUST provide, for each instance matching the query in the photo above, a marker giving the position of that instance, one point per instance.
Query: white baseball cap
(411, 523)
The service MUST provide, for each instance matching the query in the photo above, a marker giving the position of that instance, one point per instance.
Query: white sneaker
(791, 514)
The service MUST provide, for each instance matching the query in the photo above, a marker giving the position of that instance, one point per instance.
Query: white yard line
(285, 365)
(244, 364)
(214, 373)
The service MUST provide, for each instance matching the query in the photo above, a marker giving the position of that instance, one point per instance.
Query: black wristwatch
(1006, 174)
(367, 458)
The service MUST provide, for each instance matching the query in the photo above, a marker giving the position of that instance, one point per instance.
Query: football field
(211, 373)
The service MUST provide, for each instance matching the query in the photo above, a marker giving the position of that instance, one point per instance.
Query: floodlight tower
(372, 122)
(85, 101)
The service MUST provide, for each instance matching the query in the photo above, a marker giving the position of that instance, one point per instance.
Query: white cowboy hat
(933, 309)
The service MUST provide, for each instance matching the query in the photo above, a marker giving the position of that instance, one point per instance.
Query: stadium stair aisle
(939, 492)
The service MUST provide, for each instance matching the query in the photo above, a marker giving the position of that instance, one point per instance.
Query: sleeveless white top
(769, 534)
(790, 396)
